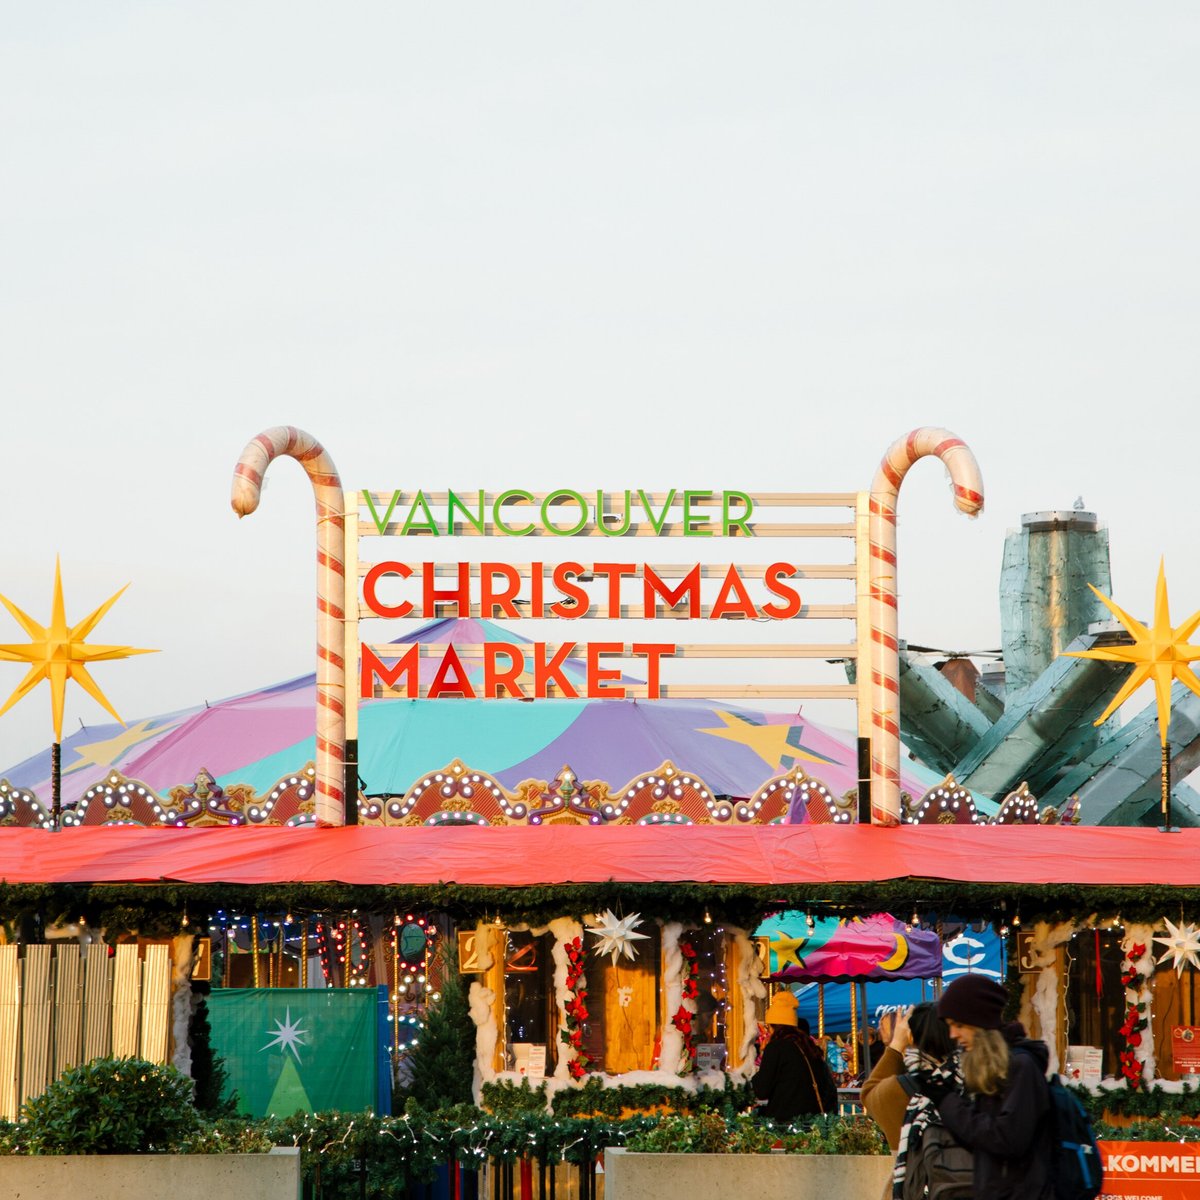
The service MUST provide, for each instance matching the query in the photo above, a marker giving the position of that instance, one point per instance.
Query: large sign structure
(611, 583)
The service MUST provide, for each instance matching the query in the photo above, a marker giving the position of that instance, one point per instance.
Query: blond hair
(985, 1065)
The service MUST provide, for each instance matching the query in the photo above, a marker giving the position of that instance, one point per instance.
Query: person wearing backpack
(919, 1041)
(792, 1079)
(1003, 1113)
(928, 1162)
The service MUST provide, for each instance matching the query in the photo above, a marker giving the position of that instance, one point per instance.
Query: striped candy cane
(885, 659)
(331, 630)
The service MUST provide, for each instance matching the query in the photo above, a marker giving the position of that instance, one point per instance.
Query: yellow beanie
(782, 1009)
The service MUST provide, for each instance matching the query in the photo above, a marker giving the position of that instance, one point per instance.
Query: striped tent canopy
(256, 738)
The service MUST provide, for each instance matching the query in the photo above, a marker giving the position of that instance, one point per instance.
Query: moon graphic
(898, 957)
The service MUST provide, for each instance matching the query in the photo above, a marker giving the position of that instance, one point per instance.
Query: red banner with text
(1150, 1170)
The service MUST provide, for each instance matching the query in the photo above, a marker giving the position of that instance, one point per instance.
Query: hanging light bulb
(707, 917)
(808, 917)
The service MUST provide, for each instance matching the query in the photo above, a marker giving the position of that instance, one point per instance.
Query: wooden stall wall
(59, 1008)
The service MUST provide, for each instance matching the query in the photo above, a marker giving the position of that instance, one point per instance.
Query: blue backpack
(1075, 1167)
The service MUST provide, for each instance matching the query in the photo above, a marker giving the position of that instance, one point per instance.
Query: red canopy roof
(517, 856)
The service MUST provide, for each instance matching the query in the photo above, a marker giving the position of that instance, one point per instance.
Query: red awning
(521, 855)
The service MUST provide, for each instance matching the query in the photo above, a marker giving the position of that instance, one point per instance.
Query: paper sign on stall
(1185, 1049)
(536, 1071)
(1084, 1064)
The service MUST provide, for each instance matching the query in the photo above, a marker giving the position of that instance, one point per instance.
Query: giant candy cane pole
(885, 659)
(331, 630)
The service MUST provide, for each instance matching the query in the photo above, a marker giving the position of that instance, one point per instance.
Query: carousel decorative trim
(460, 795)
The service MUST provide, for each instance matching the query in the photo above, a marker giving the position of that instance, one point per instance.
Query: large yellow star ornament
(1159, 653)
(59, 652)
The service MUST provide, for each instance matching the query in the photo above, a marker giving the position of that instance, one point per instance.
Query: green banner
(293, 1049)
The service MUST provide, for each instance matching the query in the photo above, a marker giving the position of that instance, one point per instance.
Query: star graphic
(1159, 653)
(288, 1035)
(59, 652)
(616, 937)
(110, 751)
(1182, 944)
(771, 742)
(786, 950)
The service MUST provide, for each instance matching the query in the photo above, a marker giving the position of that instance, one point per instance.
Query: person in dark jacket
(1002, 1116)
(792, 1077)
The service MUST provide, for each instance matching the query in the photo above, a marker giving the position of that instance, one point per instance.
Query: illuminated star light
(288, 1035)
(616, 937)
(59, 652)
(1182, 944)
(1159, 653)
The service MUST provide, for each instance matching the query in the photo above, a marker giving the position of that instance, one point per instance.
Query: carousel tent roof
(521, 856)
(877, 947)
(259, 737)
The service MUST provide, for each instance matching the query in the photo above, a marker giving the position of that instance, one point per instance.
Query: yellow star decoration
(786, 949)
(58, 653)
(1159, 653)
(769, 742)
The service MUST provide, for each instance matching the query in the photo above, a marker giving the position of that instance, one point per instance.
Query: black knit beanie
(974, 1000)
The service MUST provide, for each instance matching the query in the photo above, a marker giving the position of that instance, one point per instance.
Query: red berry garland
(575, 1010)
(1134, 977)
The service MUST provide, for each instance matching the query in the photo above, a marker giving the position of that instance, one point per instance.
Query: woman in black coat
(792, 1079)
(1003, 1115)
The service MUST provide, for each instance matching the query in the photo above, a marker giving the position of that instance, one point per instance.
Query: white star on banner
(288, 1035)
(616, 937)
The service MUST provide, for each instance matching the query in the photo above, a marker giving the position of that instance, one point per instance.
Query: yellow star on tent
(786, 949)
(769, 742)
(1159, 653)
(106, 753)
(1182, 944)
(59, 652)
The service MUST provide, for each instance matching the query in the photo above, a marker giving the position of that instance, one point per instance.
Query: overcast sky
(619, 245)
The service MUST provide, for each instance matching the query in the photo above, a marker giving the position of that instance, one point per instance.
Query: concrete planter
(632, 1176)
(274, 1176)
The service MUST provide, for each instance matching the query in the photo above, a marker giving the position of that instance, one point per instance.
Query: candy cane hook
(331, 631)
(967, 486)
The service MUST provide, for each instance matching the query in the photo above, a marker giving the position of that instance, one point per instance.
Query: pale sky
(540, 245)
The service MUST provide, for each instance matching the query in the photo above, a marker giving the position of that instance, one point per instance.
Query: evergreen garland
(156, 909)
(505, 1098)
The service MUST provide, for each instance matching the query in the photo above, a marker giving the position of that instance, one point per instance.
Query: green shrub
(112, 1106)
(710, 1133)
(836, 1135)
